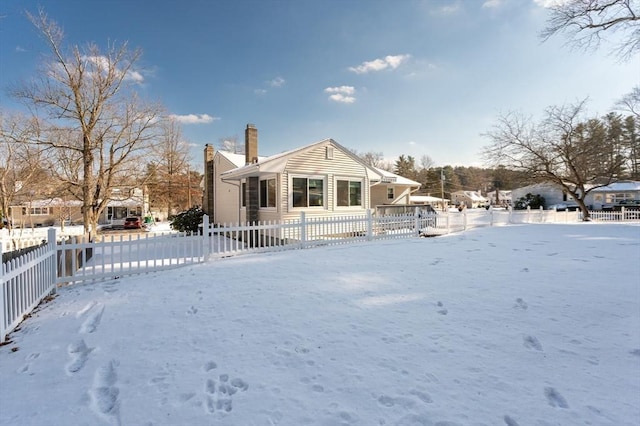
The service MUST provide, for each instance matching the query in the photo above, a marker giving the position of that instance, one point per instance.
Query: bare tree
(231, 144)
(586, 21)
(20, 161)
(373, 159)
(564, 148)
(168, 176)
(426, 162)
(92, 94)
(630, 102)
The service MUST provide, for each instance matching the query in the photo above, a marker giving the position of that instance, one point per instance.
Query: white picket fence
(27, 280)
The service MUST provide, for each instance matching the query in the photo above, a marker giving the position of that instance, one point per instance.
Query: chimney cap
(251, 126)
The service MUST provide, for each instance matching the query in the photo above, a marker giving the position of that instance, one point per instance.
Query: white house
(553, 194)
(53, 211)
(471, 199)
(615, 195)
(320, 179)
(612, 196)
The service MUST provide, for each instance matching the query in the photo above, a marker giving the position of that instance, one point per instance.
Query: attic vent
(329, 153)
(389, 179)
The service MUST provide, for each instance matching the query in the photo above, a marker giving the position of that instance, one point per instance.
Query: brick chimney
(251, 144)
(208, 196)
(253, 182)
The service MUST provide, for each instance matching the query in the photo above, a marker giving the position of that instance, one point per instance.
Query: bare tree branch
(585, 22)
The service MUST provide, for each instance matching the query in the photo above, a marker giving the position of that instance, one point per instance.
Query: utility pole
(188, 187)
(442, 187)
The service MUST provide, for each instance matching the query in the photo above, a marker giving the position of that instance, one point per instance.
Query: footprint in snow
(86, 309)
(219, 392)
(79, 353)
(31, 357)
(104, 393)
(509, 421)
(531, 342)
(92, 322)
(521, 304)
(554, 398)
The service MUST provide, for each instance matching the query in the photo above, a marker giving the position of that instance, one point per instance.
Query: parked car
(132, 223)
(560, 207)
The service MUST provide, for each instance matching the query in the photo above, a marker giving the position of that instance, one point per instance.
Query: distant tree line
(456, 178)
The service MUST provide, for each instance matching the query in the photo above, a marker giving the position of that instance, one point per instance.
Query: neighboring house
(124, 203)
(471, 199)
(615, 195)
(45, 212)
(427, 200)
(320, 179)
(391, 190)
(499, 198)
(54, 211)
(552, 193)
(612, 196)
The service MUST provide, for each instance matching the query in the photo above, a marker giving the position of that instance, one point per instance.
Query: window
(243, 194)
(349, 193)
(390, 194)
(329, 153)
(268, 193)
(307, 192)
(617, 197)
(36, 211)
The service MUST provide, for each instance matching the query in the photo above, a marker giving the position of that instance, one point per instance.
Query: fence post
(3, 306)
(490, 215)
(464, 219)
(447, 222)
(303, 230)
(541, 214)
(369, 225)
(51, 246)
(206, 237)
(622, 210)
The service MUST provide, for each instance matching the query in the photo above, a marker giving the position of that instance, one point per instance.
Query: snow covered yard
(518, 325)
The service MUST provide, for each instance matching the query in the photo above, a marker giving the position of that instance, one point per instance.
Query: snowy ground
(520, 325)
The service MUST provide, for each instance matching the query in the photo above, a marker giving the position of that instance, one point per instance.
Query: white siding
(316, 163)
(226, 194)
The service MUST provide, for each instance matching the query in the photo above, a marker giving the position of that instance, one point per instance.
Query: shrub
(529, 200)
(188, 221)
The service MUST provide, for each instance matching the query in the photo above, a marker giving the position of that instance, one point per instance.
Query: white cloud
(134, 76)
(345, 90)
(277, 82)
(101, 64)
(380, 64)
(447, 10)
(260, 92)
(549, 3)
(342, 94)
(20, 49)
(492, 3)
(193, 118)
(339, 97)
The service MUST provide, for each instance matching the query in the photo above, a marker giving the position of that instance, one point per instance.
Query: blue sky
(412, 77)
